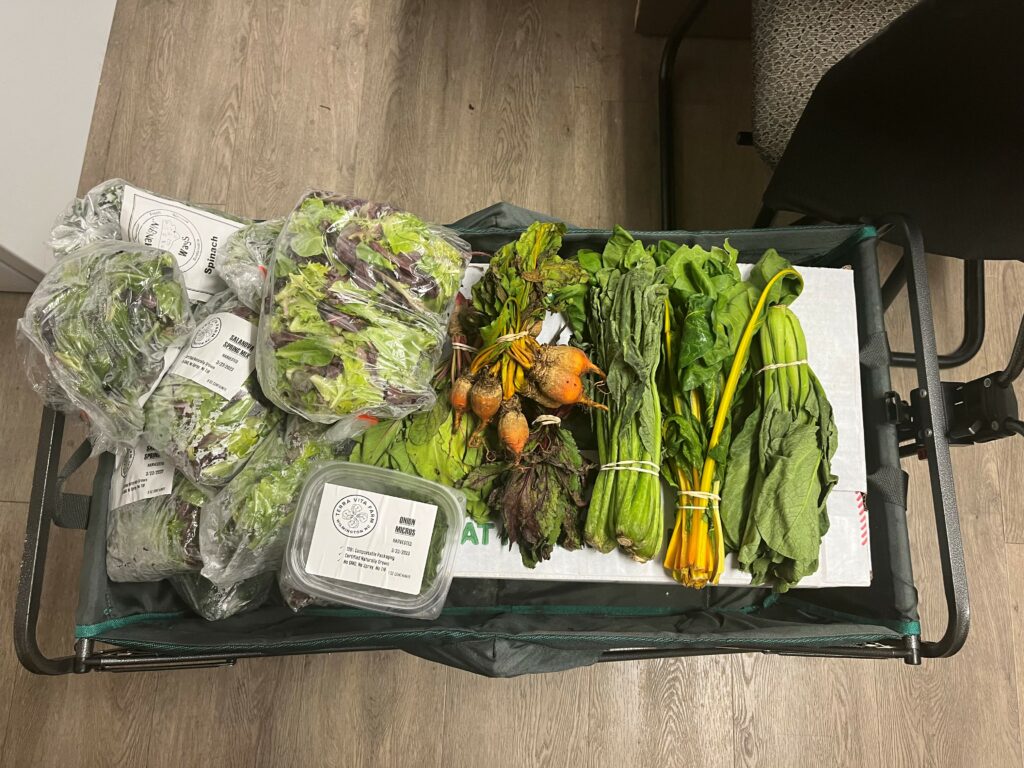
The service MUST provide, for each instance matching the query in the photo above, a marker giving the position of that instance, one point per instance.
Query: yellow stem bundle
(696, 551)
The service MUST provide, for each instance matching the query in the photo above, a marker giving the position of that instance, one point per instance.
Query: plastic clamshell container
(364, 527)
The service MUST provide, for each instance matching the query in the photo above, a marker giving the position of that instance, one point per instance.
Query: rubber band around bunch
(637, 465)
(547, 419)
(774, 366)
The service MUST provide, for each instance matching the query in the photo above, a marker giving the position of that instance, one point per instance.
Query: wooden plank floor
(445, 107)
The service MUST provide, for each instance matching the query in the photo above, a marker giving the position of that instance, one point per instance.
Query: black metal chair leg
(666, 118)
(974, 317)
(1015, 365)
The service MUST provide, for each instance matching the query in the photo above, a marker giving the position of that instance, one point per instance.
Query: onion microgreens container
(376, 539)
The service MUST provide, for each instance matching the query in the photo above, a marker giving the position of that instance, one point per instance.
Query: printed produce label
(220, 355)
(371, 539)
(194, 236)
(139, 473)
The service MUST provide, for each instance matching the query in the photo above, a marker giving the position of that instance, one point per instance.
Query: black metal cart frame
(50, 505)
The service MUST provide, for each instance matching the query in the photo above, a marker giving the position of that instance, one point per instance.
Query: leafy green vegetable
(625, 307)
(101, 322)
(244, 529)
(209, 437)
(709, 313)
(155, 538)
(538, 498)
(779, 475)
(526, 279)
(426, 445)
(354, 319)
(246, 254)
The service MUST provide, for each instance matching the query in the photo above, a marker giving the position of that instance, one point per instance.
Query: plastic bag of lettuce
(101, 326)
(243, 530)
(243, 265)
(353, 319)
(153, 522)
(208, 414)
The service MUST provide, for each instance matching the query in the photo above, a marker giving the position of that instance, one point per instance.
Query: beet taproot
(566, 358)
(460, 398)
(513, 429)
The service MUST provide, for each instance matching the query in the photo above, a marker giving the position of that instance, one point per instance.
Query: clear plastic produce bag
(99, 327)
(157, 535)
(94, 217)
(214, 603)
(243, 531)
(208, 414)
(119, 210)
(354, 317)
(243, 265)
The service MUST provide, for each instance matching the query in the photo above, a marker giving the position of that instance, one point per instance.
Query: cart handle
(47, 504)
(932, 422)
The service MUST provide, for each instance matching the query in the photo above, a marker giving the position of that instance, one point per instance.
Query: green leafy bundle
(625, 310)
(526, 279)
(708, 307)
(209, 437)
(354, 318)
(243, 264)
(779, 474)
(244, 529)
(539, 497)
(100, 324)
(152, 539)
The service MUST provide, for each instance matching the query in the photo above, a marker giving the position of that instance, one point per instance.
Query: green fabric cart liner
(504, 628)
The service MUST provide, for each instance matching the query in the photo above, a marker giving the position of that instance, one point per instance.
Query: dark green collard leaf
(739, 488)
(779, 473)
(787, 507)
(768, 266)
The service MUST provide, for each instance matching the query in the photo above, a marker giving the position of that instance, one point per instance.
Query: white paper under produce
(828, 313)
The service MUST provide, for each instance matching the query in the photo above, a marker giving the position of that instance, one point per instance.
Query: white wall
(51, 55)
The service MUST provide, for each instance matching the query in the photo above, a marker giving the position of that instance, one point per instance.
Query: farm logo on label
(126, 465)
(172, 232)
(207, 333)
(355, 516)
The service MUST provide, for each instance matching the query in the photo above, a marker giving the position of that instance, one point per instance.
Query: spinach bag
(153, 522)
(354, 316)
(99, 329)
(208, 414)
(118, 210)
